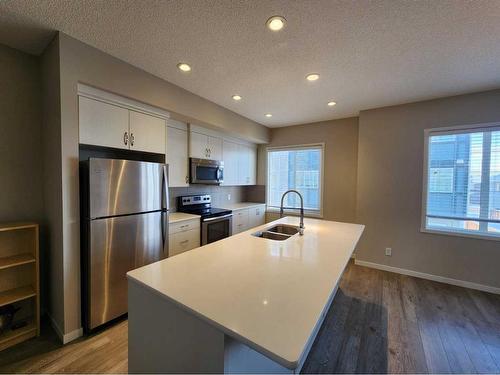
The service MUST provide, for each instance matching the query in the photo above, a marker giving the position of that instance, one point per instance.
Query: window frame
(307, 213)
(462, 129)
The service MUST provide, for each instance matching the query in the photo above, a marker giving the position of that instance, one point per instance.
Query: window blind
(463, 181)
(296, 168)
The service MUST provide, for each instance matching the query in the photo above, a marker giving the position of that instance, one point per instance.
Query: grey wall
(389, 198)
(21, 193)
(52, 183)
(340, 161)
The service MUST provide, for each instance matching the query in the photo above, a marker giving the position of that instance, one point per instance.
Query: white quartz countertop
(175, 217)
(241, 206)
(270, 295)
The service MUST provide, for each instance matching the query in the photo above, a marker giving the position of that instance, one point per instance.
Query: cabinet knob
(125, 138)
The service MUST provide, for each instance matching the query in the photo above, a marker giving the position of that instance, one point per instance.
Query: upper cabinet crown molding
(117, 100)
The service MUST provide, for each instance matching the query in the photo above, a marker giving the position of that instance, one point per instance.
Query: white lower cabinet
(183, 236)
(240, 221)
(256, 216)
(183, 241)
(247, 218)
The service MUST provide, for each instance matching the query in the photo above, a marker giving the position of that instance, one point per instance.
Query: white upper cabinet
(103, 124)
(215, 148)
(177, 156)
(147, 133)
(204, 146)
(252, 170)
(247, 162)
(230, 158)
(240, 163)
(198, 145)
(109, 120)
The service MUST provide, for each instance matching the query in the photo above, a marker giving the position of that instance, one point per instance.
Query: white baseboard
(421, 275)
(68, 337)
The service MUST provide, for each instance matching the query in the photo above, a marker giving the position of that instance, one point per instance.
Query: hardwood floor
(379, 322)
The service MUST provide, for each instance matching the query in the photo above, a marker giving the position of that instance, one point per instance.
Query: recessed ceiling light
(184, 67)
(269, 115)
(236, 97)
(276, 23)
(312, 77)
(331, 104)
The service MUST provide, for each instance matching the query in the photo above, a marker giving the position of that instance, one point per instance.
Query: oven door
(216, 228)
(207, 171)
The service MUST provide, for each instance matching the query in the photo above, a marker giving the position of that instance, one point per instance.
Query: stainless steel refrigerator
(126, 227)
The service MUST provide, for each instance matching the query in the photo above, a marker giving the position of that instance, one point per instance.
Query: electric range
(216, 223)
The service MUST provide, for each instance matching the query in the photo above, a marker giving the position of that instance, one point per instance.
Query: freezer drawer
(122, 187)
(118, 245)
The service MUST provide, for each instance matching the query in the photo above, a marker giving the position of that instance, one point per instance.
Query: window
(299, 168)
(462, 179)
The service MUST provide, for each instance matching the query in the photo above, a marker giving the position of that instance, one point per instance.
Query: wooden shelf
(16, 260)
(20, 285)
(14, 226)
(17, 294)
(12, 337)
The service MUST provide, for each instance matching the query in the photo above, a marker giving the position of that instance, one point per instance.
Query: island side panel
(241, 359)
(163, 338)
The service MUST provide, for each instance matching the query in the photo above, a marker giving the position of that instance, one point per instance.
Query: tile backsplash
(219, 194)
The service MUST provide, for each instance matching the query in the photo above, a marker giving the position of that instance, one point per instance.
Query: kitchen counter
(269, 297)
(175, 217)
(241, 206)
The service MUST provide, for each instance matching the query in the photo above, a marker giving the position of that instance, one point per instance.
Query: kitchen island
(242, 304)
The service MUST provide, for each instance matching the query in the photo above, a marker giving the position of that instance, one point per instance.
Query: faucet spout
(301, 226)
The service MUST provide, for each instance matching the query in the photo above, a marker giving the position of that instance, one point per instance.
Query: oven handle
(217, 218)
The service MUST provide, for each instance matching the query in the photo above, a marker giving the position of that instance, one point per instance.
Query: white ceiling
(369, 53)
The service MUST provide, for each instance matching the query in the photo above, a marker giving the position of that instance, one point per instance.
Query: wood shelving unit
(19, 280)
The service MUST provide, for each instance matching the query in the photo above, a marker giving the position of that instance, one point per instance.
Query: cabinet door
(243, 165)
(230, 158)
(256, 216)
(214, 148)
(183, 241)
(147, 133)
(102, 124)
(198, 145)
(252, 165)
(177, 157)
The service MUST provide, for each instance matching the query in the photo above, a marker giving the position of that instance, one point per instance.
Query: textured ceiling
(369, 53)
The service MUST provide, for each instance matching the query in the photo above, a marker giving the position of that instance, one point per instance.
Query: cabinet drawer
(183, 241)
(240, 221)
(182, 226)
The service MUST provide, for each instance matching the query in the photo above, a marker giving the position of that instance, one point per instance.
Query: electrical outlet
(388, 251)
(229, 197)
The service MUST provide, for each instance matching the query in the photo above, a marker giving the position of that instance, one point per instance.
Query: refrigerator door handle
(165, 196)
(164, 233)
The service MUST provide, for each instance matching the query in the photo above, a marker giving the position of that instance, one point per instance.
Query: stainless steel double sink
(279, 232)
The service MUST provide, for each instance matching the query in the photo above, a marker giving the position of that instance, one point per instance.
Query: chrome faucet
(301, 226)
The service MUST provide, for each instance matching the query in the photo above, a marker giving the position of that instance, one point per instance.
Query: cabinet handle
(183, 242)
(187, 179)
(132, 139)
(125, 138)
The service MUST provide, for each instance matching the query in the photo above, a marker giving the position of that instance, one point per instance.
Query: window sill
(312, 215)
(461, 234)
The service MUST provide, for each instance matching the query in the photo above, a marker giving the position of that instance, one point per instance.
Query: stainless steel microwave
(209, 172)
